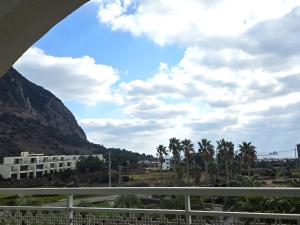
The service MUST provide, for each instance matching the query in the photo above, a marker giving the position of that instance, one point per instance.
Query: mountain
(33, 119)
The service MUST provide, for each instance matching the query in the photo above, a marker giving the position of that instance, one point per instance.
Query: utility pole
(283, 169)
(120, 177)
(217, 162)
(109, 168)
(296, 159)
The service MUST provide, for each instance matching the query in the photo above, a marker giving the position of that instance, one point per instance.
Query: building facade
(36, 165)
(166, 164)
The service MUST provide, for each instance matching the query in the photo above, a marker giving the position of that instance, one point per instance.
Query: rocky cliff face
(33, 119)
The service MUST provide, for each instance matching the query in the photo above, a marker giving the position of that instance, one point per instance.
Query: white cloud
(238, 78)
(182, 21)
(158, 110)
(132, 134)
(217, 102)
(77, 79)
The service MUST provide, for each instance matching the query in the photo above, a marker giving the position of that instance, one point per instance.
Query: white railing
(71, 215)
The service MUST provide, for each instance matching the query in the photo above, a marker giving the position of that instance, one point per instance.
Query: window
(24, 168)
(39, 167)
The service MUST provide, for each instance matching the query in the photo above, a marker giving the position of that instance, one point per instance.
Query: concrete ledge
(23, 22)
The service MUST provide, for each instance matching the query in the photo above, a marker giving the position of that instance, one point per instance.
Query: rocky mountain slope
(33, 119)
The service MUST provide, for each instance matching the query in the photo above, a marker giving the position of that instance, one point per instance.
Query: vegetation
(175, 150)
(226, 156)
(90, 164)
(209, 165)
(248, 154)
(206, 151)
(223, 165)
(161, 152)
(188, 150)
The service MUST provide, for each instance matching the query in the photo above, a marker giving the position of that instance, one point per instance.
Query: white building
(36, 165)
(166, 164)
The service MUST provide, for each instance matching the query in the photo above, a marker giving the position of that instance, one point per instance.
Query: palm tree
(161, 152)
(226, 154)
(175, 150)
(188, 149)
(206, 151)
(248, 154)
(196, 173)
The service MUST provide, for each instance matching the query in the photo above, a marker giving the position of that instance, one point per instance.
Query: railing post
(188, 216)
(69, 210)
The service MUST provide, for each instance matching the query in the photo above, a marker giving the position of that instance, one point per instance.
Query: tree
(248, 154)
(196, 173)
(89, 164)
(212, 170)
(226, 154)
(175, 150)
(250, 181)
(206, 151)
(236, 165)
(188, 150)
(161, 152)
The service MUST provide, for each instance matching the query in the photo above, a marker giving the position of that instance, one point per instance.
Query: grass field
(103, 204)
(152, 176)
(29, 200)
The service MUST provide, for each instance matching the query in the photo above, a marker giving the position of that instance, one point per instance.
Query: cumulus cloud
(238, 77)
(157, 109)
(276, 37)
(179, 21)
(133, 134)
(78, 79)
(220, 101)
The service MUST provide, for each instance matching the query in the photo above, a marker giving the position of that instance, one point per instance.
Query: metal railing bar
(246, 215)
(192, 212)
(34, 208)
(130, 210)
(160, 212)
(198, 191)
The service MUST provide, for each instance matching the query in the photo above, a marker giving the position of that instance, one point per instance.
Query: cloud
(179, 21)
(275, 37)
(223, 101)
(132, 134)
(77, 79)
(213, 125)
(157, 109)
(117, 127)
(238, 77)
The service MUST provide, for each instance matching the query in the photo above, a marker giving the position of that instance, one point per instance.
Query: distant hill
(33, 119)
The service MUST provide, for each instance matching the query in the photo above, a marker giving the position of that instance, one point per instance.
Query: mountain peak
(33, 119)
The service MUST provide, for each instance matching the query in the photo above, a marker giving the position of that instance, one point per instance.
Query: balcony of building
(187, 215)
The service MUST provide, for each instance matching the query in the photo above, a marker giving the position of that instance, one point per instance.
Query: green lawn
(29, 200)
(103, 205)
(152, 176)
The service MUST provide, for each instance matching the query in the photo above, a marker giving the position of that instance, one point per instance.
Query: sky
(138, 72)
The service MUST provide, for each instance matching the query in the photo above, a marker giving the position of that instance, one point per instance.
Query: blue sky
(136, 72)
(82, 34)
